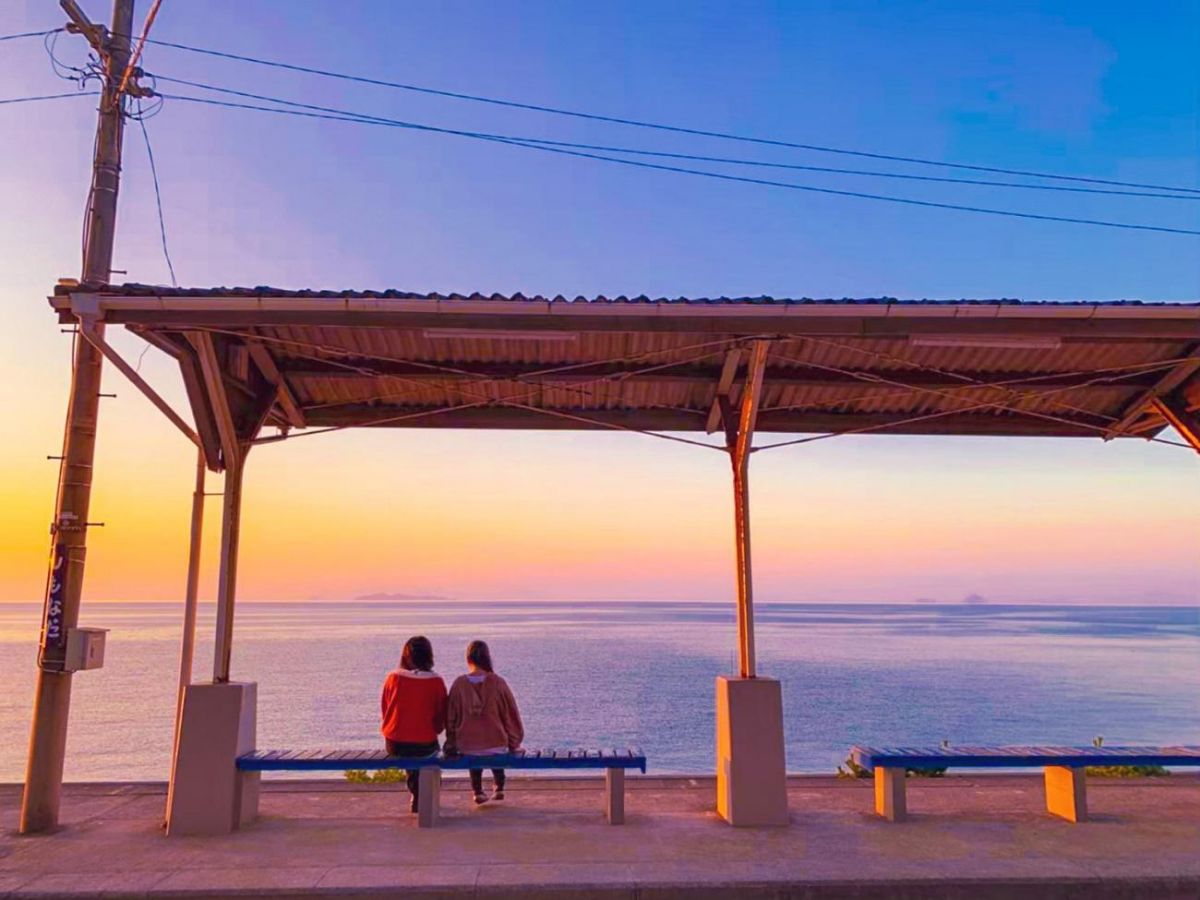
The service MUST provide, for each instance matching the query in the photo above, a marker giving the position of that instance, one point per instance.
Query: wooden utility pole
(48, 738)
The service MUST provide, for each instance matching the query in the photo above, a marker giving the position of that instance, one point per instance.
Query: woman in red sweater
(413, 707)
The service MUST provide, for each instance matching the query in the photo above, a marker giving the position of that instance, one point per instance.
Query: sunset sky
(1093, 89)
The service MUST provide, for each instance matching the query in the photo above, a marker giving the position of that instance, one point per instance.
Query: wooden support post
(227, 579)
(890, 799)
(429, 797)
(1066, 792)
(187, 645)
(739, 443)
(614, 796)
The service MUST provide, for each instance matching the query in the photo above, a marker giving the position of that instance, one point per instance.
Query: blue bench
(1066, 786)
(613, 762)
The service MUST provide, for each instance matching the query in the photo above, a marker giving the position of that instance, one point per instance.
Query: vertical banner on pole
(54, 633)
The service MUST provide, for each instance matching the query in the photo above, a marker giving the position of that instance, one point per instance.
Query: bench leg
(890, 800)
(614, 796)
(1066, 792)
(429, 796)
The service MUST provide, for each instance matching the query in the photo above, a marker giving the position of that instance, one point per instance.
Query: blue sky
(1103, 90)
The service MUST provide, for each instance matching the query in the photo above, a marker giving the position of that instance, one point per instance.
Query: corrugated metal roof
(405, 359)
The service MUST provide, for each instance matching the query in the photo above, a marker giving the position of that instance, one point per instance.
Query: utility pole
(48, 738)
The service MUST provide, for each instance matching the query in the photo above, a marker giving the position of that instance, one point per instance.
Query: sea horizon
(622, 673)
(1049, 602)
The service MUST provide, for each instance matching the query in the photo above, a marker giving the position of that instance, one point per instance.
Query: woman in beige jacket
(482, 718)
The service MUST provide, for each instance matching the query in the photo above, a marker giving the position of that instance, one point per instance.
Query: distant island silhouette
(384, 597)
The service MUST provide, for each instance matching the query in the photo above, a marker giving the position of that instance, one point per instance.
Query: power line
(50, 97)
(346, 116)
(28, 34)
(162, 228)
(636, 123)
(715, 159)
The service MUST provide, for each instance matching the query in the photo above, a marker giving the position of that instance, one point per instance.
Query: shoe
(498, 794)
(480, 798)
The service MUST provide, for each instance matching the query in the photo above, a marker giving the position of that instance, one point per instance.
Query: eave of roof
(68, 287)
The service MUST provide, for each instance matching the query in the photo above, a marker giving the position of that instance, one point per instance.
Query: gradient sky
(1096, 89)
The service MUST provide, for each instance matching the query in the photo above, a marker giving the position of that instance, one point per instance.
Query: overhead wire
(162, 227)
(322, 112)
(725, 160)
(574, 149)
(80, 75)
(30, 34)
(9, 100)
(696, 132)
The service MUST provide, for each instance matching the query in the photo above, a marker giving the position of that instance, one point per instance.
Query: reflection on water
(617, 674)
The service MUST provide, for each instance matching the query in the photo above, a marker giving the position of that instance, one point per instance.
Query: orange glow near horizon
(493, 515)
(558, 515)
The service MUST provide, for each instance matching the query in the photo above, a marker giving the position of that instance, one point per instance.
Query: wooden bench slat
(1021, 756)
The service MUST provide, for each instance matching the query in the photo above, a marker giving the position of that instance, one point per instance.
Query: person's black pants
(411, 751)
(477, 779)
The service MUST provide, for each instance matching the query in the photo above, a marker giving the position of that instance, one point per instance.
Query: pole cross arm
(83, 25)
(87, 327)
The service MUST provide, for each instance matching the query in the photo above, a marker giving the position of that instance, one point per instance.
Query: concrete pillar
(208, 795)
(614, 796)
(751, 769)
(890, 799)
(1066, 792)
(429, 799)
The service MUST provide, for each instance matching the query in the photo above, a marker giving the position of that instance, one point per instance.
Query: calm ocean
(619, 674)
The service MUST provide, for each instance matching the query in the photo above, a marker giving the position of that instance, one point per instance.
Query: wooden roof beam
(287, 400)
(1183, 420)
(214, 387)
(1167, 383)
(751, 395)
(689, 420)
(202, 412)
(724, 385)
(688, 373)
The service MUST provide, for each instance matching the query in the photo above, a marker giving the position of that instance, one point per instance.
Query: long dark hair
(480, 656)
(417, 655)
